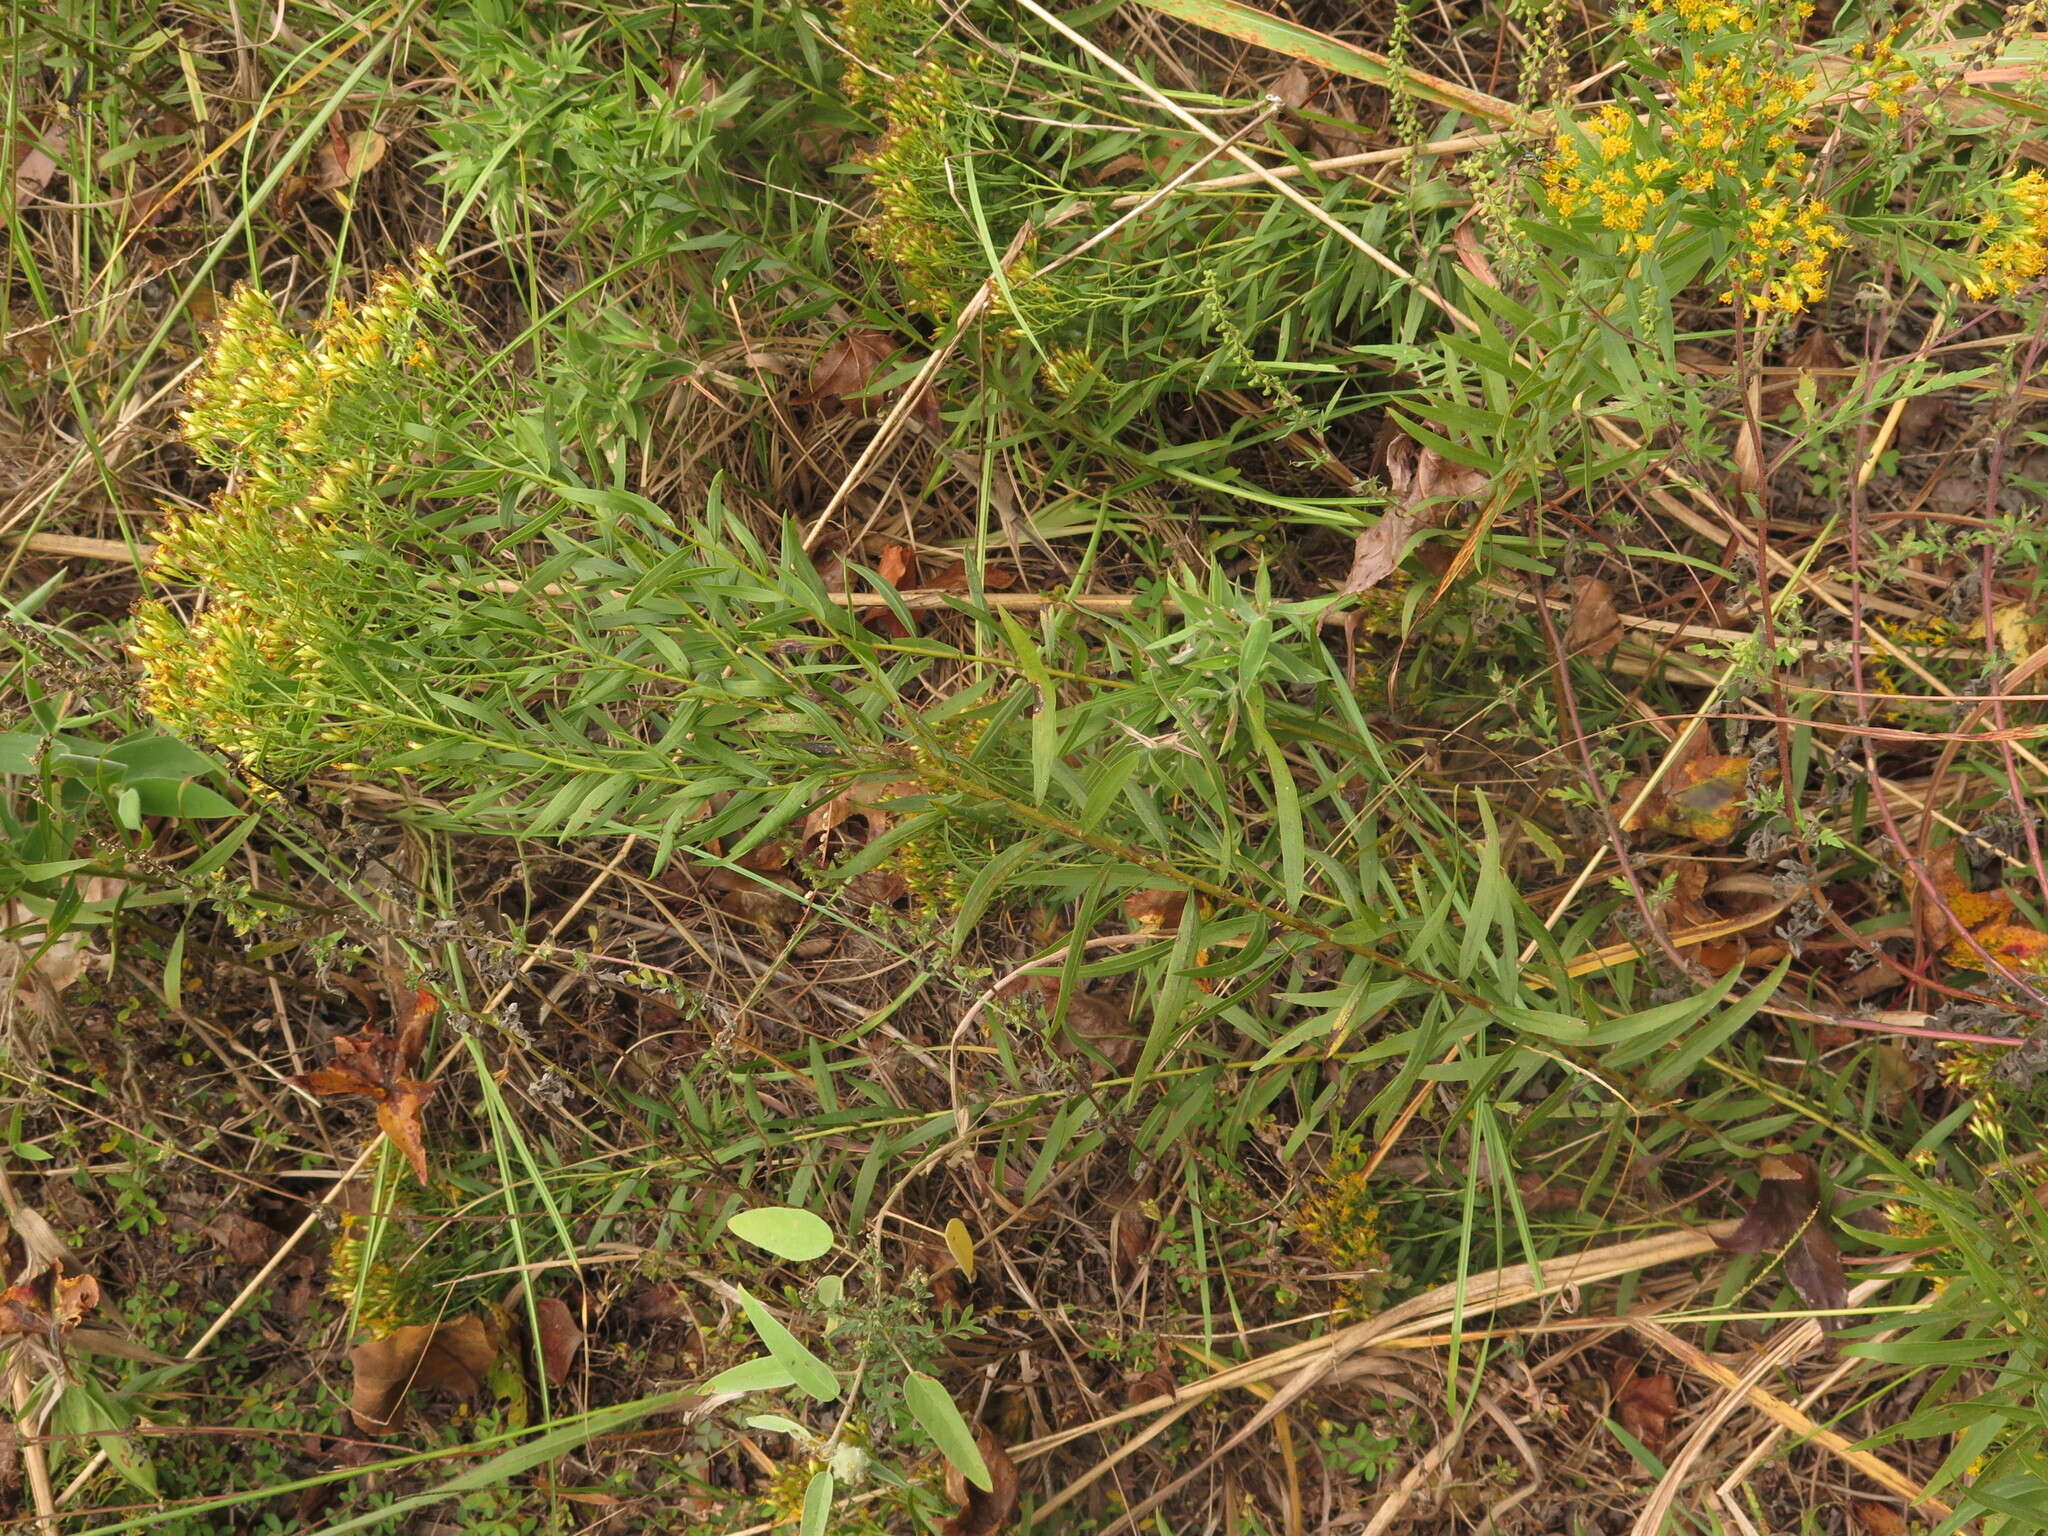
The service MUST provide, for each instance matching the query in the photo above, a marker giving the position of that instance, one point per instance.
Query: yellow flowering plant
(1710, 133)
(293, 557)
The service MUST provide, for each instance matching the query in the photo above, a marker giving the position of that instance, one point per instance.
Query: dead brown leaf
(846, 371)
(1093, 1023)
(1874, 1519)
(375, 1066)
(1596, 623)
(1787, 1216)
(860, 801)
(1423, 483)
(247, 1241)
(453, 1357)
(1377, 551)
(1156, 911)
(557, 1340)
(899, 566)
(344, 159)
(1749, 460)
(983, 1513)
(1471, 249)
(1816, 351)
(37, 165)
(1645, 1405)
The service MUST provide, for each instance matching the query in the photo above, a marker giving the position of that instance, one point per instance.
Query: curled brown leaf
(1645, 1405)
(557, 1338)
(983, 1512)
(454, 1357)
(1787, 1216)
(372, 1065)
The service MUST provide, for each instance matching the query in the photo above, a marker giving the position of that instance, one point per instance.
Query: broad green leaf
(805, 1368)
(764, 1374)
(775, 1423)
(783, 1230)
(933, 1408)
(817, 1504)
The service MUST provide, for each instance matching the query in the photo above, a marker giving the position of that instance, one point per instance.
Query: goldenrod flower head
(2015, 236)
(300, 420)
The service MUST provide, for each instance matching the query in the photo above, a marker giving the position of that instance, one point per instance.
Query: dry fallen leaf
(247, 1241)
(376, 1066)
(1596, 624)
(1994, 922)
(1093, 1023)
(1703, 798)
(39, 967)
(343, 160)
(983, 1513)
(1787, 1216)
(846, 371)
(37, 165)
(1644, 1406)
(900, 567)
(859, 801)
(1423, 483)
(452, 1357)
(1156, 911)
(558, 1338)
(1818, 350)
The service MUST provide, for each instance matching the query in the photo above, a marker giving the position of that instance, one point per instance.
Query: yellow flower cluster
(2015, 240)
(1888, 75)
(1343, 1223)
(917, 229)
(1702, 18)
(288, 417)
(1731, 142)
(1624, 184)
(1785, 250)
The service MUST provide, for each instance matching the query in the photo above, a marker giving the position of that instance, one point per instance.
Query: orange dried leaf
(47, 1303)
(1874, 1519)
(1155, 911)
(371, 1065)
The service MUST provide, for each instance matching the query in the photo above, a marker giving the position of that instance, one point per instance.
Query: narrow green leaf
(1250, 25)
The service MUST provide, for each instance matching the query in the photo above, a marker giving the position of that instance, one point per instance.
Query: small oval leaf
(783, 1230)
(960, 1243)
